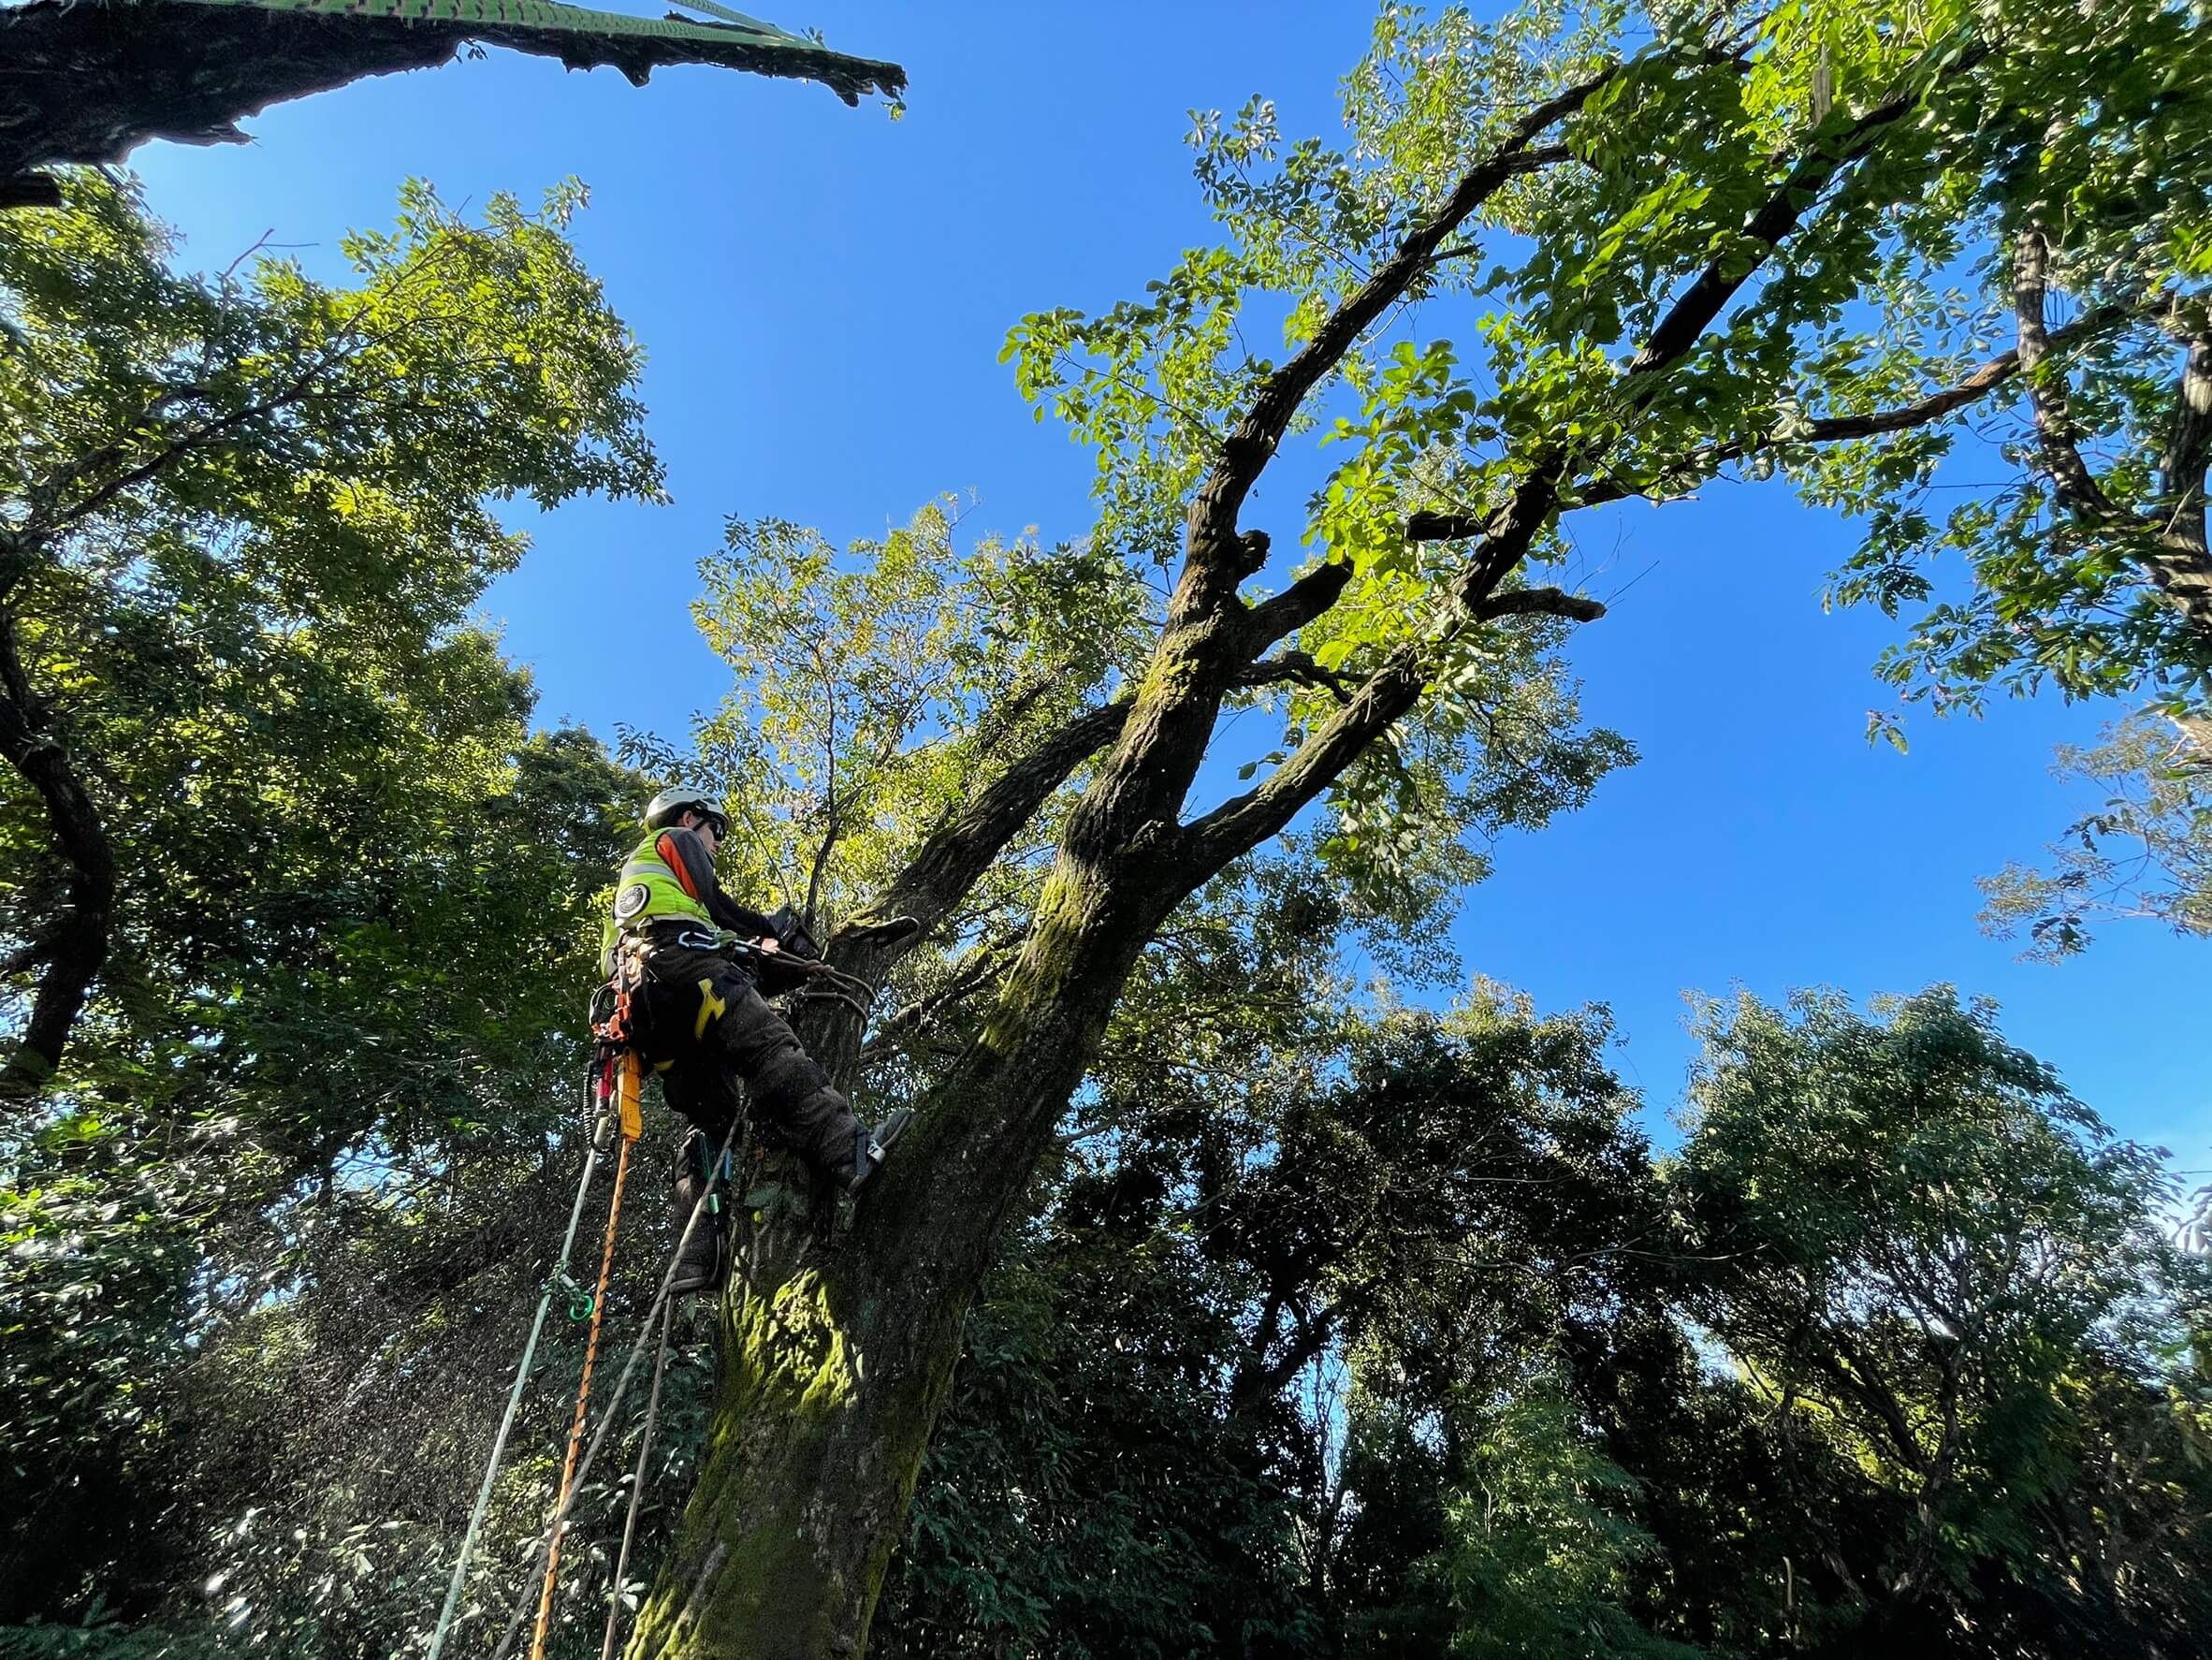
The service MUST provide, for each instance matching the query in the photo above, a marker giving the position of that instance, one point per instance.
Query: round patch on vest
(631, 900)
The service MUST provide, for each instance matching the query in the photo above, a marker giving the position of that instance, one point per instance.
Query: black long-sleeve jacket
(684, 852)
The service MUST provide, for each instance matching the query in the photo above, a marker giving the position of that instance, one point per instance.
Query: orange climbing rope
(629, 1084)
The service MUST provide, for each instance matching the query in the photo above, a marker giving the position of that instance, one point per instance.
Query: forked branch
(2170, 551)
(1507, 534)
(1246, 451)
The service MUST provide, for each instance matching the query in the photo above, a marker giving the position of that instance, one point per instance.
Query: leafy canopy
(1960, 127)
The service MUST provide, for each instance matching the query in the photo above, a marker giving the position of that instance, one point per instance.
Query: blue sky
(823, 292)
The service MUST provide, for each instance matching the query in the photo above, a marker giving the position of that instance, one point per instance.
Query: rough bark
(2182, 478)
(88, 80)
(2169, 548)
(837, 1355)
(2189, 443)
(72, 941)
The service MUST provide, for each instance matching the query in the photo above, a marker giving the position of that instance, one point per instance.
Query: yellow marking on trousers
(710, 1008)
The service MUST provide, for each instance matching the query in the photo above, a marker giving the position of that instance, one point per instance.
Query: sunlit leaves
(1147, 385)
(2146, 850)
(355, 894)
(1416, 407)
(875, 684)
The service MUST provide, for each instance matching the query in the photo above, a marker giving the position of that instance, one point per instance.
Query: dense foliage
(348, 892)
(1558, 1398)
(1323, 1327)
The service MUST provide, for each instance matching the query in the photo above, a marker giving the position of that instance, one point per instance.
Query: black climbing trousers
(706, 1029)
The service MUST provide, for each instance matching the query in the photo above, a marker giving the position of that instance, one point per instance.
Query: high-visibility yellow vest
(648, 888)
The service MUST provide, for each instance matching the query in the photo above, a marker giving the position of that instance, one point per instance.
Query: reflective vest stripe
(665, 892)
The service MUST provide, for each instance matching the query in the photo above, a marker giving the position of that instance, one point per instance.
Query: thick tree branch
(2172, 554)
(1261, 1375)
(1242, 823)
(955, 857)
(2059, 440)
(2189, 446)
(75, 938)
(1208, 844)
(1250, 446)
(1307, 598)
(1814, 171)
(956, 854)
(1538, 602)
(1936, 405)
(1976, 383)
(950, 862)
(1427, 525)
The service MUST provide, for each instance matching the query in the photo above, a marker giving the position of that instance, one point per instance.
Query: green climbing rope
(559, 1277)
(607, 1421)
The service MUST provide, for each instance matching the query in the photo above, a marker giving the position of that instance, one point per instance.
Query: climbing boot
(705, 1264)
(870, 1147)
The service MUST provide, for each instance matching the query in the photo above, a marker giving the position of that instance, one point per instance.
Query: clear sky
(824, 294)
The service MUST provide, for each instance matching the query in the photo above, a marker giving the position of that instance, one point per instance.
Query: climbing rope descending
(638, 1479)
(499, 1441)
(621, 1388)
(627, 1100)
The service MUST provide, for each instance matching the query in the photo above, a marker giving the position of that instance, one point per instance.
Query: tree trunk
(72, 943)
(837, 1356)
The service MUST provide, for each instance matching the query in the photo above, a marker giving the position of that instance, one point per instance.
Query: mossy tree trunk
(837, 1358)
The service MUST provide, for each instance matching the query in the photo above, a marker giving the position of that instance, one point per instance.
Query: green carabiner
(580, 1302)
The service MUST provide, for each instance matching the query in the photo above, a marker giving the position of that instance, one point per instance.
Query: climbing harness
(616, 1029)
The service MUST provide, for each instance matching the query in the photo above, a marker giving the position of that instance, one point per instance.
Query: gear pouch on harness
(620, 1016)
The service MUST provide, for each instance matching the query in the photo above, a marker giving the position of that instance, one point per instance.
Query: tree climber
(689, 956)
